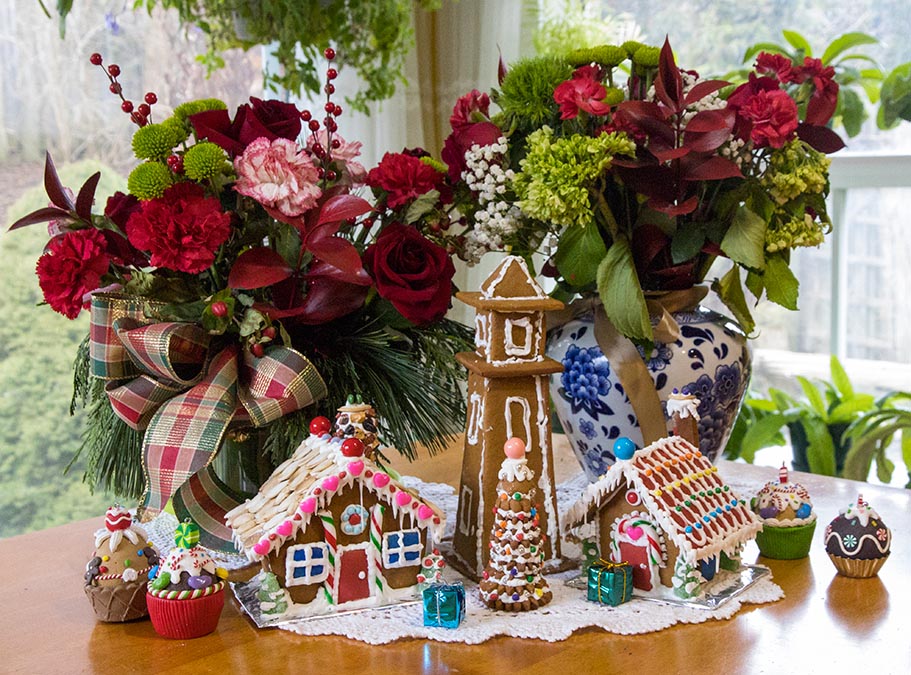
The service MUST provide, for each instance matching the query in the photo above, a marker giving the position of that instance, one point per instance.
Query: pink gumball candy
(514, 448)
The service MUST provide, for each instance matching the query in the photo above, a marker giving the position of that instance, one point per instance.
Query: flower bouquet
(632, 175)
(240, 288)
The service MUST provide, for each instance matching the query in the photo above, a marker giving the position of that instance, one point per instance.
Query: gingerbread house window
(518, 419)
(306, 564)
(480, 325)
(519, 334)
(467, 510)
(402, 548)
(475, 413)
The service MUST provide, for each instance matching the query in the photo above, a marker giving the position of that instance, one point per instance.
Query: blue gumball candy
(624, 448)
(804, 510)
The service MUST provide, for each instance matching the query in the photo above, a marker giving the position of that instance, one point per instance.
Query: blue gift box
(444, 605)
(610, 583)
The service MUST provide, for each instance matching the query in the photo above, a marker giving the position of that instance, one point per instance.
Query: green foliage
(833, 429)
(621, 294)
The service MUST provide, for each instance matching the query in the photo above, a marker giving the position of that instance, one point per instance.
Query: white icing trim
(549, 501)
(402, 549)
(515, 359)
(465, 516)
(511, 347)
(308, 578)
(683, 405)
(508, 262)
(789, 522)
(475, 415)
(863, 512)
(526, 419)
(481, 339)
(515, 470)
(881, 546)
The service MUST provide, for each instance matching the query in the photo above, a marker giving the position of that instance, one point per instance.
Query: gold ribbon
(609, 566)
(623, 356)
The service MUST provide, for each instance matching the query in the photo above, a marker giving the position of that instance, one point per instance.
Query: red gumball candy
(320, 426)
(353, 447)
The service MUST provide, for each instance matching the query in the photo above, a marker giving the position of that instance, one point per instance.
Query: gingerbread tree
(512, 580)
(508, 397)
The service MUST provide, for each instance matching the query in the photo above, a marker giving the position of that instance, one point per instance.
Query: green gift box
(610, 583)
(444, 605)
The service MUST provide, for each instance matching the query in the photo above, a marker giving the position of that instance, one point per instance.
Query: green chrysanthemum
(614, 96)
(646, 57)
(630, 47)
(204, 161)
(154, 141)
(526, 95)
(185, 110)
(434, 164)
(609, 56)
(558, 173)
(179, 128)
(149, 180)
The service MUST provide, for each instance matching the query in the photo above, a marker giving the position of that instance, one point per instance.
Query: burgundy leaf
(258, 267)
(703, 89)
(54, 187)
(121, 249)
(86, 197)
(44, 215)
(669, 154)
(655, 181)
(711, 120)
(706, 142)
(669, 84)
(648, 117)
(335, 251)
(501, 69)
(320, 269)
(673, 209)
(327, 299)
(636, 111)
(820, 138)
(342, 207)
(713, 168)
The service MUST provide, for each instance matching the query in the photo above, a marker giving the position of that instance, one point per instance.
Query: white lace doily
(567, 612)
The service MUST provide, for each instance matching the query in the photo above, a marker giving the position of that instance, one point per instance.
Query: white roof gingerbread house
(666, 511)
(337, 530)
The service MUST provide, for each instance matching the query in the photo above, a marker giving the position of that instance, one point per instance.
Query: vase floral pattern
(710, 360)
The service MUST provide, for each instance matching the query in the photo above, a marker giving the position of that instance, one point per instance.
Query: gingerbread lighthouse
(507, 398)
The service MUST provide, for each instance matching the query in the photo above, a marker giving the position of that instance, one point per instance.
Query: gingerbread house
(666, 511)
(507, 398)
(336, 530)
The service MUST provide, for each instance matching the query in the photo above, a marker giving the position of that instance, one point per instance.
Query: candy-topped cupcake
(788, 518)
(858, 541)
(186, 597)
(116, 576)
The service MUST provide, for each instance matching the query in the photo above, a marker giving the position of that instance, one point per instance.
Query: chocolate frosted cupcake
(186, 597)
(116, 575)
(788, 519)
(858, 541)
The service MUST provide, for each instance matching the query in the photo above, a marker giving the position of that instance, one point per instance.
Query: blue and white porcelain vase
(710, 360)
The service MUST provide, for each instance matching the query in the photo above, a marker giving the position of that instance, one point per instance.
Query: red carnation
(822, 103)
(773, 116)
(413, 273)
(582, 92)
(471, 108)
(777, 65)
(404, 178)
(182, 229)
(71, 267)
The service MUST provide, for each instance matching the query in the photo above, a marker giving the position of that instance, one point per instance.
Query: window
(307, 564)
(518, 419)
(518, 336)
(475, 412)
(402, 548)
(466, 510)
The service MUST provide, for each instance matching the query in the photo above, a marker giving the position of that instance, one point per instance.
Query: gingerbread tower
(507, 397)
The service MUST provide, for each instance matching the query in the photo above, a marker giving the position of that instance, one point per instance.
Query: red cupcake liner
(185, 619)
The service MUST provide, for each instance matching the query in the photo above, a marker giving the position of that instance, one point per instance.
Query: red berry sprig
(142, 114)
(332, 110)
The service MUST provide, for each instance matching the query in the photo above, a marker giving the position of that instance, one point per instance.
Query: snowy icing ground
(569, 611)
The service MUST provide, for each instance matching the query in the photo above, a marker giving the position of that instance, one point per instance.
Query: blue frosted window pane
(300, 572)
(392, 540)
(300, 555)
(411, 556)
(316, 570)
(393, 558)
(411, 538)
(316, 553)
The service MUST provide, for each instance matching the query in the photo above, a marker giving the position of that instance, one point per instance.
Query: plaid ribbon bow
(164, 378)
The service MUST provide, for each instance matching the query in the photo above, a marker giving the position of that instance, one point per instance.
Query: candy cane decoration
(331, 540)
(654, 548)
(376, 538)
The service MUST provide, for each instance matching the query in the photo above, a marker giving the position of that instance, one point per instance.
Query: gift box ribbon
(166, 378)
(607, 566)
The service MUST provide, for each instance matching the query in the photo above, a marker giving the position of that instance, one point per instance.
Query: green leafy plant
(855, 71)
(371, 36)
(833, 429)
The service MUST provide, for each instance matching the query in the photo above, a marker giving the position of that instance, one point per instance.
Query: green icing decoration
(162, 581)
(271, 595)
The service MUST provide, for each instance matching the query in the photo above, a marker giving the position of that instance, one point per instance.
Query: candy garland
(331, 539)
(376, 539)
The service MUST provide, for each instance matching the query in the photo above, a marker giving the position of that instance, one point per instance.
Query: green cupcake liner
(786, 543)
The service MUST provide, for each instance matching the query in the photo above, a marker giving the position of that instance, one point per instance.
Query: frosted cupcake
(858, 541)
(788, 519)
(186, 597)
(117, 573)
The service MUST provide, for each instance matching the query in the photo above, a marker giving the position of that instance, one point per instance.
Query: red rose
(72, 266)
(773, 116)
(404, 178)
(182, 229)
(777, 65)
(582, 92)
(414, 274)
(270, 119)
(471, 108)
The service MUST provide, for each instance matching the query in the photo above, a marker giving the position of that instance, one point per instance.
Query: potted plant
(833, 430)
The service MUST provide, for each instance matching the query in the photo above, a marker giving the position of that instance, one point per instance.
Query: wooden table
(825, 624)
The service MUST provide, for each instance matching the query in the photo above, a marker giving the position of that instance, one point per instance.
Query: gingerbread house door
(353, 581)
(637, 556)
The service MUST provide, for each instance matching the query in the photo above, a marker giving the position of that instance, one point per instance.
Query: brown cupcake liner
(858, 569)
(119, 603)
